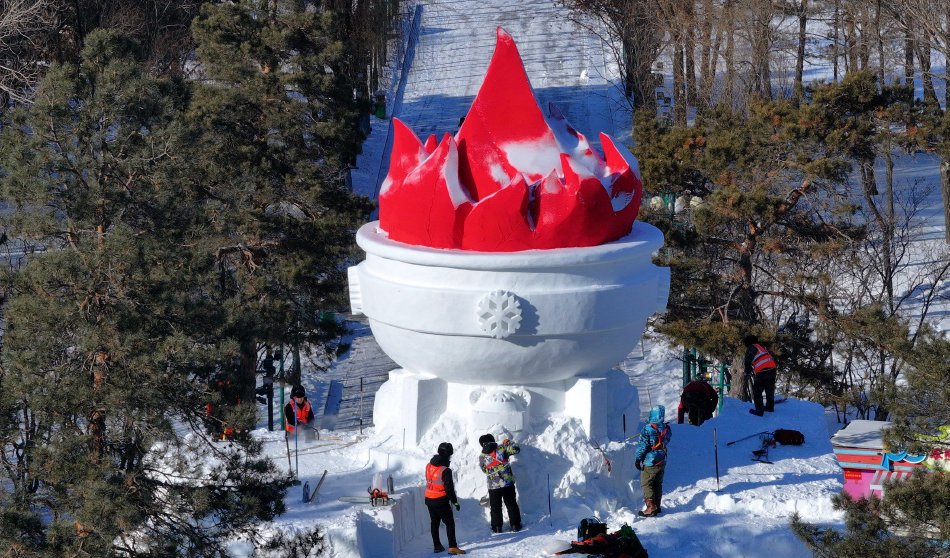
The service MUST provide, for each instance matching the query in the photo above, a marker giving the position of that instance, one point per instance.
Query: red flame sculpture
(511, 179)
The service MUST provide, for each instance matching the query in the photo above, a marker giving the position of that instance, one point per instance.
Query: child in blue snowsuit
(651, 459)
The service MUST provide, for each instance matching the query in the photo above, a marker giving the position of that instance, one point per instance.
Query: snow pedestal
(504, 338)
(408, 404)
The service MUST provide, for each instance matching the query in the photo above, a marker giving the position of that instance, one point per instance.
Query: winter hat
(750, 340)
(486, 439)
(657, 414)
(298, 391)
(445, 449)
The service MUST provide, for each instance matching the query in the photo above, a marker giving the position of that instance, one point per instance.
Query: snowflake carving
(499, 314)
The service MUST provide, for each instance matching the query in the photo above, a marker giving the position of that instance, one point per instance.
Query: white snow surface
(747, 514)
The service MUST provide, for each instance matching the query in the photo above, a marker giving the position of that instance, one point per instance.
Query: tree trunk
(851, 43)
(760, 51)
(679, 85)
(923, 55)
(739, 388)
(946, 69)
(799, 87)
(707, 66)
(908, 57)
(836, 23)
(247, 372)
(890, 226)
(864, 48)
(638, 74)
(97, 417)
(689, 81)
(945, 192)
(879, 33)
(729, 84)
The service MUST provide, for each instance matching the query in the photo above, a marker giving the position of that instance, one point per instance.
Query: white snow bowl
(452, 313)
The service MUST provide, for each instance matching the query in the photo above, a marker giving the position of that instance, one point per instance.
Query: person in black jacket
(697, 402)
(440, 498)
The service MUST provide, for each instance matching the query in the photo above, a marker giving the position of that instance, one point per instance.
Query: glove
(457, 507)
(639, 464)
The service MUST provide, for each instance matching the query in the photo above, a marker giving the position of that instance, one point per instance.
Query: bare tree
(635, 37)
(801, 11)
(22, 23)
(932, 18)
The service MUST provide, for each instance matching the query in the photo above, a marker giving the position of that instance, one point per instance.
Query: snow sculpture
(512, 178)
(507, 274)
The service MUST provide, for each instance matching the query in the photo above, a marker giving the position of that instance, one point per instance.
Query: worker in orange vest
(440, 498)
(760, 368)
(298, 409)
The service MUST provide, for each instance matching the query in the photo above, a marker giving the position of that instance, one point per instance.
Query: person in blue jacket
(651, 459)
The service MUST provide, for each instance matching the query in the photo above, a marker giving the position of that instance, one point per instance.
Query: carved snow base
(408, 404)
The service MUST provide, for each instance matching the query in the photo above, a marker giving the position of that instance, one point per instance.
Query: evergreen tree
(913, 517)
(105, 364)
(740, 258)
(274, 130)
(781, 236)
(176, 227)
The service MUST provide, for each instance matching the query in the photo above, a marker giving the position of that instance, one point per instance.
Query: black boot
(439, 549)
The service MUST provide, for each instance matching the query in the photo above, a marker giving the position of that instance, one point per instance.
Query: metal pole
(283, 420)
(361, 404)
(686, 358)
(296, 447)
(550, 516)
(716, 454)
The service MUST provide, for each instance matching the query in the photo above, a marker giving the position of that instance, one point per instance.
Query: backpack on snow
(788, 437)
(589, 528)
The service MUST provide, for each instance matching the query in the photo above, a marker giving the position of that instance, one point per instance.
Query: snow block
(583, 400)
(601, 403)
(410, 518)
(409, 404)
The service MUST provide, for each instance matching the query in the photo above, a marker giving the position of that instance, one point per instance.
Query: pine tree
(736, 256)
(274, 130)
(113, 333)
(913, 517)
(781, 235)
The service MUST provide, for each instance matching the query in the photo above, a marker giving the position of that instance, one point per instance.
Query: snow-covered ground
(747, 515)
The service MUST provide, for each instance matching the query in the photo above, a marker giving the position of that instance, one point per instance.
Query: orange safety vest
(762, 360)
(435, 488)
(302, 413)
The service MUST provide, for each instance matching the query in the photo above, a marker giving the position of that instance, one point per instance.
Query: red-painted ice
(511, 179)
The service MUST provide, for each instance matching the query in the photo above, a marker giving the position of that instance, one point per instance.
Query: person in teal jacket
(651, 453)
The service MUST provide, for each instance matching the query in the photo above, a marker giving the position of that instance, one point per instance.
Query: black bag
(589, 528)
(788, 437)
